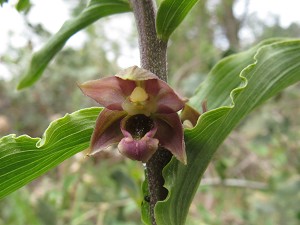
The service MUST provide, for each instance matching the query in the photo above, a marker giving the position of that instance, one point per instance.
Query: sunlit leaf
(23, 5)
(22, 159)
(95, 10)
(170, 14)
(235, 86)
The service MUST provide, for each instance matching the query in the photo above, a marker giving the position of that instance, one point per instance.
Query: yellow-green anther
(138, 95)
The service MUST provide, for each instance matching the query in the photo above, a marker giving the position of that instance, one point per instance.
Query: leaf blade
(274, 67)
(23, 158)
(170, 14)
(95, 10)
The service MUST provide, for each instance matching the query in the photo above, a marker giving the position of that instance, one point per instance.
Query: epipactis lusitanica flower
(140, 115)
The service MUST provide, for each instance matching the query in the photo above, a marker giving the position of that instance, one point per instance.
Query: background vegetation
(254, 178)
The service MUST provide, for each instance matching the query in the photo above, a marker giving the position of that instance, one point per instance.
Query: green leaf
(95, 10)
(235, 86)
(170, 14)
(22, 159)
(23, 5)
(145, 205)
(3, 1)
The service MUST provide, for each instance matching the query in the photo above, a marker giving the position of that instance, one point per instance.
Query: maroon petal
(170, 135)
(140, 149)
(166, 99)
(110, 92)
(107, 130)
(135, 73)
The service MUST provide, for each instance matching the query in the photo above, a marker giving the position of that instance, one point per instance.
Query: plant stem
(156, 181)
(153, 52)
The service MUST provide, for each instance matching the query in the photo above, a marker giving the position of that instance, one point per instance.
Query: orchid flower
(140, 115)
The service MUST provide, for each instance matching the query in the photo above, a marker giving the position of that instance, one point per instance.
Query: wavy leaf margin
(274, 66)
(22, 159)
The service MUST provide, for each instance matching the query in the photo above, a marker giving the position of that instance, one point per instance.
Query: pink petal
(110, 92)
(107, 130)
(170, 135)
(135, 73)
(140, 149)
(166, 99)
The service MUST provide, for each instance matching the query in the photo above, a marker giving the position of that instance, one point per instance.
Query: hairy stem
(156, 181)
(152, 50)
(153, 58)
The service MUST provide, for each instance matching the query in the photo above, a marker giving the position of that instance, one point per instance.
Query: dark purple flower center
(138, 125)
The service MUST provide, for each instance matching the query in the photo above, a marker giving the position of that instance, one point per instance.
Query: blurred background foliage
(254, 177)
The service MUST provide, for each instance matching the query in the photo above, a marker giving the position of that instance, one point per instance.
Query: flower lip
(138, 125)
(141, 150)
(138, 142)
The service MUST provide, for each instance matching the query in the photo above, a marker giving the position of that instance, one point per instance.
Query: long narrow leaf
(94, 11)
(23, 158)
(170, 14)
(268, 69)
